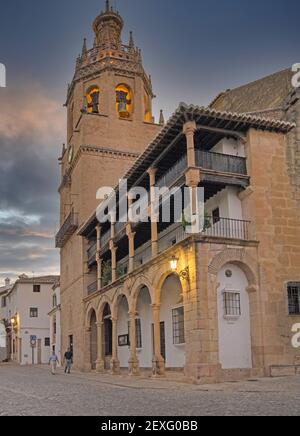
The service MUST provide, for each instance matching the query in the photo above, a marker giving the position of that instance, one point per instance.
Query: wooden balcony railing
(91, 253)
(224, 163)
(227, 228)
(67, 230)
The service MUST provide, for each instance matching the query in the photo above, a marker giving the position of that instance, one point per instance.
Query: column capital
(189, 128)
(155, 306)
(132, 314)
(152, 171)
(100, 324)
(114, 319)
(112, 246)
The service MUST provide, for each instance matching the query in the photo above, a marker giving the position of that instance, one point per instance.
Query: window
(232, 304)
(54, 300)
(124, 101)
(93, 101)
(216, 216)
(178, 326)
(138, 332)
(36, 288)
(3, 302)
(47, 342)
(33, 312)
(294, 298)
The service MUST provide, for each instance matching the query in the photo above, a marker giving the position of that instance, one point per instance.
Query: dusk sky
(193, 49)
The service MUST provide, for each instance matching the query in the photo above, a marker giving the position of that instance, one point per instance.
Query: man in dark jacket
(68, 358)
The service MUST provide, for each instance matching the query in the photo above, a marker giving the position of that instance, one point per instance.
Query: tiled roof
(265, 94)
(40, 280)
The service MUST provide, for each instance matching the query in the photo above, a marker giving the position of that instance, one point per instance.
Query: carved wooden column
(158, 363)
(100, 358)
(189, 130)
(130, 235)
(98, 258)
(114, 363)
(154, 230)
(133, 364)
(113, 250)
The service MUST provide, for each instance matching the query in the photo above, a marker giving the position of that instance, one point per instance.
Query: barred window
(232, 303)
(47, 342)
(294, 298)
(178, 326)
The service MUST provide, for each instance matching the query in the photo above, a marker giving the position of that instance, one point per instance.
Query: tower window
(93, 101)
(124, 101)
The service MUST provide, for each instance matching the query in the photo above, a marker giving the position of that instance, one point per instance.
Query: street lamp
(173, 263)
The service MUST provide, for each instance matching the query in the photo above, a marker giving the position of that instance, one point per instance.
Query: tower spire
(131, 40)
(84, 47)
(107, 7)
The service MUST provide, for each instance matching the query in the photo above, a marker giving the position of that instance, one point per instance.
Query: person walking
(53, 361)
(68, 361)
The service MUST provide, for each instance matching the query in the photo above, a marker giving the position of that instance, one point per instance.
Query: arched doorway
(172, 323)
(234, 318)
(144, 328)
(123, 331)
(107, 336)
(94, 340)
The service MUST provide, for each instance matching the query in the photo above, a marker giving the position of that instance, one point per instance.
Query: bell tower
(109, 124)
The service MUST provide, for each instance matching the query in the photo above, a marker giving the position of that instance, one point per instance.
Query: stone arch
(237, 257)
(88, 313)
(140, 282)
(93, 99)
(159, 282)
(103, 301)
(120, 292)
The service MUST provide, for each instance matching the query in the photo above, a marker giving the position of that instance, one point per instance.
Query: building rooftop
(266, 94)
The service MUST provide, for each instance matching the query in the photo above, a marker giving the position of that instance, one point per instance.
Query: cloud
(32, 127)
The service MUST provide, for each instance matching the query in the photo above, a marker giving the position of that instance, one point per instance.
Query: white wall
(144, 310)
(22, 299)
(234, 334)
(228, 202)
(3, 350)
(123, 319)
(170, 299)
(57, 314)
(229, 146)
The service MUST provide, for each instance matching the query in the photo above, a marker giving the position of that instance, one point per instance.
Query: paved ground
(33, 391)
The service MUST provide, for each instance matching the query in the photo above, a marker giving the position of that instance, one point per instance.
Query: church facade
(149, 295)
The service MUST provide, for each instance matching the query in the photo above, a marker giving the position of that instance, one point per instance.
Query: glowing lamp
(173, 263)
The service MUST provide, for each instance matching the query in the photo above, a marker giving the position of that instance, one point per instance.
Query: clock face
(70, 155)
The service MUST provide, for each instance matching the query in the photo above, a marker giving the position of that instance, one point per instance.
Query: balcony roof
(173, 130)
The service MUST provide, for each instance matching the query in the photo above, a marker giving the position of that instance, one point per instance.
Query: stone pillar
(130, 236)
(189, 130)
(158, 364)
(154, 231)
(100, 359)
(113, 250)
(114, 363)
(133, 364)
(99, 272)
(87, 366)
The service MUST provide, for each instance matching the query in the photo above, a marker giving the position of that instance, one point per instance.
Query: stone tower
(110, 122)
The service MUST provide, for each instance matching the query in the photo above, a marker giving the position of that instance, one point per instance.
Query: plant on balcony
(106, 273)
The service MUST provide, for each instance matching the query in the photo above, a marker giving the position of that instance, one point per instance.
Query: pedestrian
(53, 361)
(68, 361)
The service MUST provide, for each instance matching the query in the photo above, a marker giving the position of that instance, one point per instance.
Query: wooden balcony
(67, 230)
(91, 254)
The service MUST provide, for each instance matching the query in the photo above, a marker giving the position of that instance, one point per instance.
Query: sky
(193, 49)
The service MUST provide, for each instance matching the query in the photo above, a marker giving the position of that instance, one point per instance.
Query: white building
(54, 314)
(28, 305)
(4, 343)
